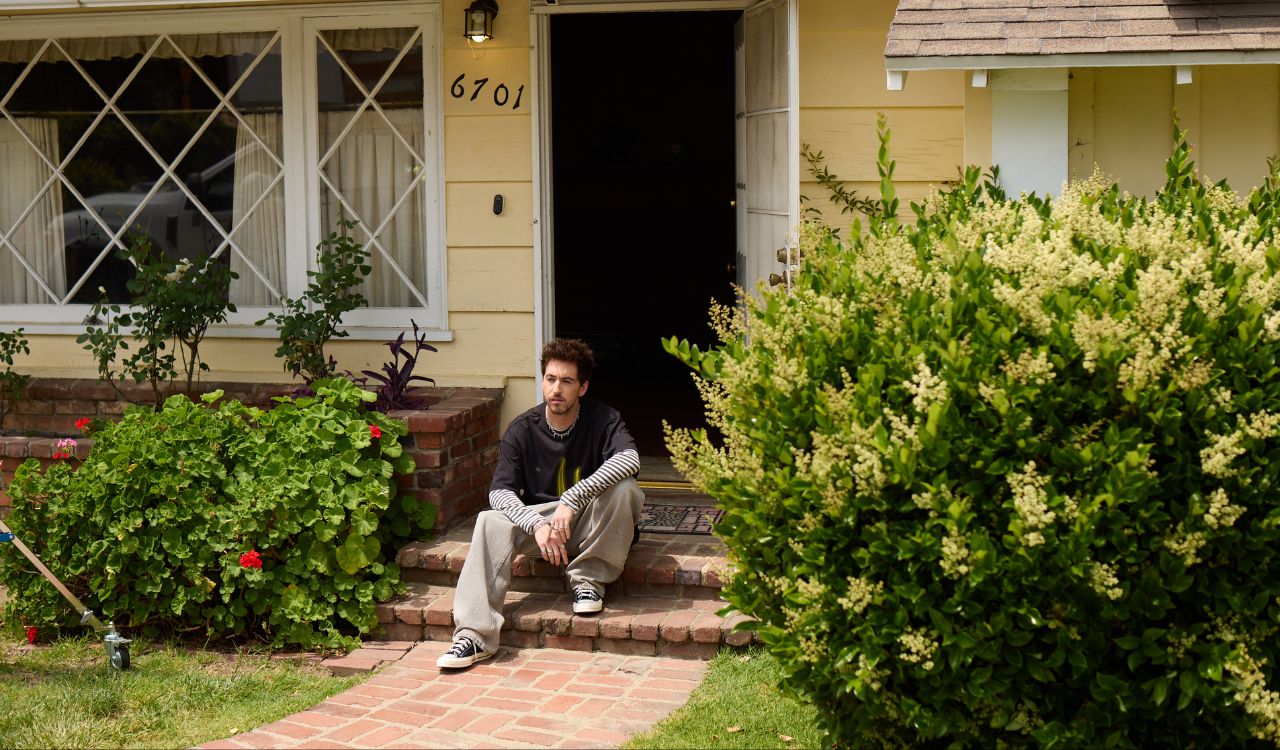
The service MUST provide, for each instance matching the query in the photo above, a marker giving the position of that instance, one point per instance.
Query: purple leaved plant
(397, 374)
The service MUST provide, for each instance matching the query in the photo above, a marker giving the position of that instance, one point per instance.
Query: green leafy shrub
(173, 303)
(310, 321)
(1008, 476)
(13, 384)
(223, 520)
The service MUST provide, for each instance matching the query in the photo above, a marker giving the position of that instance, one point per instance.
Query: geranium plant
(223, 519)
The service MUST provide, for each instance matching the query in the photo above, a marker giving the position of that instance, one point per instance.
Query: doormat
(678, 519)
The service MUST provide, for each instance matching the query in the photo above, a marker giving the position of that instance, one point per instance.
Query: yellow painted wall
(842, 88)
(1122, 119)
(489, 151)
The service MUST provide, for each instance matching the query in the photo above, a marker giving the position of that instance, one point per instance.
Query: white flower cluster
(860, 595)
(1262, 705)
(1271, 327)
(926, 388)
(1031, 501)
(868, 674)
(1222, 512)
(955, 555)
(1185, 544)
(1217, 457)
(918, 647)
(1028, 368)
(178, 270)
(1102, 579)
(1179, 645)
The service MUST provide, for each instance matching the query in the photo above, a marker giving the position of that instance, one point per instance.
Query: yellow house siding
(491, 279)
(1122, 119)
(1080, 158)
(1239, 122)
(487, 148)
(977, 126)
(469, 218)
(842, 89)
(489, 151)
(522, 393)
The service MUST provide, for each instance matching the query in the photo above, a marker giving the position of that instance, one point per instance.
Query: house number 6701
(501, 93)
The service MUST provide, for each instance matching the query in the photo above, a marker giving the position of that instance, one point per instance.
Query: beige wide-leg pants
(597, 548)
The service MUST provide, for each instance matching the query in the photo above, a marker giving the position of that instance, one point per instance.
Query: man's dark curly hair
(570, 350)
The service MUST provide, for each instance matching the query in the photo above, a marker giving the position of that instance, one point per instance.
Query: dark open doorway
(643, 175)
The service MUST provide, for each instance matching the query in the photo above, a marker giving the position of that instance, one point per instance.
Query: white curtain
(40, 236)
(261, 238)
(372, 169)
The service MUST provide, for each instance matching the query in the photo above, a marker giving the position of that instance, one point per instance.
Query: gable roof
(969, 33)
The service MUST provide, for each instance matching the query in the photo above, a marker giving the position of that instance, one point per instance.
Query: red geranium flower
(373, 430)
(82, 423)
(251, 559)
(31, 633)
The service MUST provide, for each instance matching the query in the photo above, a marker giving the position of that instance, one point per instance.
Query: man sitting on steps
(565, 481)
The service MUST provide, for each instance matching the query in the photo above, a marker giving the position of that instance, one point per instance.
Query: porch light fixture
(479, 24)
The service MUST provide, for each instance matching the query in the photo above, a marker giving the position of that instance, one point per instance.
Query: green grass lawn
(738, 705)
(66, 696)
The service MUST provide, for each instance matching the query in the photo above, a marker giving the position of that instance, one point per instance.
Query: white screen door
(768, 147)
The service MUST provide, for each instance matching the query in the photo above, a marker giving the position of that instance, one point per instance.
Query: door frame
(540, 116)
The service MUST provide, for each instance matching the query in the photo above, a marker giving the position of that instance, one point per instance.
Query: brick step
(675, 566)
(632, 625)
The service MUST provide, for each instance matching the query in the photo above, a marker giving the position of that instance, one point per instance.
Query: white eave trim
(539, 7)
(29, 7)
(1084, 60)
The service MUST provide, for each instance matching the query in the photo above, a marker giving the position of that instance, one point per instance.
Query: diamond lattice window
(180, 137)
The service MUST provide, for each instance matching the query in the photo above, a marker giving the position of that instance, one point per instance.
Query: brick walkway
(521, 698)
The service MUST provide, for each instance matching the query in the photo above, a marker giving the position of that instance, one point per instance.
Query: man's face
(561, 388)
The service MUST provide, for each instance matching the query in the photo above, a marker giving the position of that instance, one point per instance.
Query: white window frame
(297, 25)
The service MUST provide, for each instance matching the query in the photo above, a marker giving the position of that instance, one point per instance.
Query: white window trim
(298, 71)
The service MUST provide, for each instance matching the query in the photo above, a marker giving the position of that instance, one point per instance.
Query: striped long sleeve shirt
(535, 466)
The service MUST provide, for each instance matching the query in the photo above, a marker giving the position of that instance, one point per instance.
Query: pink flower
(82, 423)
(251, 559)
(65, 446)
(373, 430)
(31, 633)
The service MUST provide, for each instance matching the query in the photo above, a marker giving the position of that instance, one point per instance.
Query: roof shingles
(948, 28)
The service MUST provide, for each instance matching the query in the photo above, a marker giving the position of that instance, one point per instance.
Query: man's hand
(562, 521)
(551, 544)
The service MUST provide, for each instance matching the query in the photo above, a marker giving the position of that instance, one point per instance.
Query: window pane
(371, 128)
(125, 173)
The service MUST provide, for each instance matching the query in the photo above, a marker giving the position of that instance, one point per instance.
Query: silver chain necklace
(562, 434)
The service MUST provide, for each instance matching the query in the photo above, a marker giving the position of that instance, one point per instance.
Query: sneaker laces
(461, 645)
(585, 592)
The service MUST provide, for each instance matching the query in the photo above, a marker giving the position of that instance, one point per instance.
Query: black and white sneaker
(463, 653)
(586, 601)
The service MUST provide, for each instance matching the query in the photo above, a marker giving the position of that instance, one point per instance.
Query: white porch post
(1029, 129)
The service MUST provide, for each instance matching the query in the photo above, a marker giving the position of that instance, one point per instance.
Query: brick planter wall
(454, 442)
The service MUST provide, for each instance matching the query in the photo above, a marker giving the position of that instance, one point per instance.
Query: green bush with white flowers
(1006, 476)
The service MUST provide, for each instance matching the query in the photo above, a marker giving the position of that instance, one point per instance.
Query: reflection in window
(182, 162)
